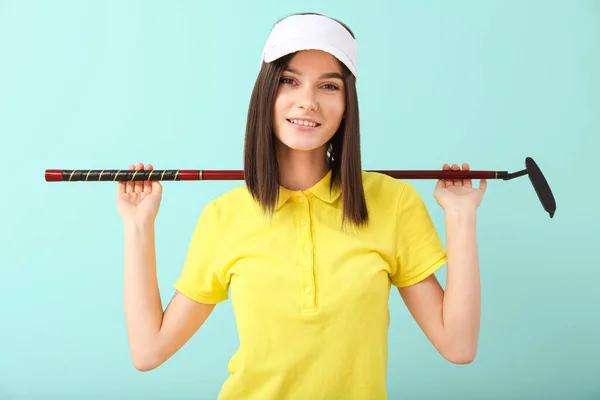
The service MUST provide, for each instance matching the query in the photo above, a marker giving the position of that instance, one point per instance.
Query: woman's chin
(302, 141)
(302, 144)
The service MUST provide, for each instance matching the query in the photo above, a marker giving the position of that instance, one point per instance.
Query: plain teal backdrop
(101, 84)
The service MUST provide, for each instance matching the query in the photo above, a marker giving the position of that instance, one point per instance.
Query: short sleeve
(419, 249)
(201, 278)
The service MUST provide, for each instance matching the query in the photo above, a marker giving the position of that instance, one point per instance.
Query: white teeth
(305, 123)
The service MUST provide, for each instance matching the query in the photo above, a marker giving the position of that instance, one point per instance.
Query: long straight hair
(261, 170)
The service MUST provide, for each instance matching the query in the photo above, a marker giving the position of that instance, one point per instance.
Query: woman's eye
(290, 81)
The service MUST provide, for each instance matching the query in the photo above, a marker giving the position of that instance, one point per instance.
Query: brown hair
(343, 154)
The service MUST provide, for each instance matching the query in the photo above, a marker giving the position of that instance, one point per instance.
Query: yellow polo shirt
(310, 299)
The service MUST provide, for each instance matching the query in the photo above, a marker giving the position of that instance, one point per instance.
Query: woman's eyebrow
(323, 76)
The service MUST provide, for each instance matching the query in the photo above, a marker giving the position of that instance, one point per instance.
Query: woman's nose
(307, 99)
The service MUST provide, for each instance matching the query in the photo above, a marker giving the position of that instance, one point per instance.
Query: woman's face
(310, 101)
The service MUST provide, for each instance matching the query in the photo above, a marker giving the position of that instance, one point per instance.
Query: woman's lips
(301, 126)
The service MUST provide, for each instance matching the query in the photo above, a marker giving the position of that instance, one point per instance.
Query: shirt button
(303, 222)
(307, 289)
(301, 199)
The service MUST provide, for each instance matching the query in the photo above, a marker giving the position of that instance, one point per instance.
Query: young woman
(309, 248)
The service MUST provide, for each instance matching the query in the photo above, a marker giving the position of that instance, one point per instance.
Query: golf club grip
(118, 175)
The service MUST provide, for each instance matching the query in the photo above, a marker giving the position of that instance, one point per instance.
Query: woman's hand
(458, 194)
(139, 201)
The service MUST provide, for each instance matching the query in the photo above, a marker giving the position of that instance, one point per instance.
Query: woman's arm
(451, 318)
(154, 336)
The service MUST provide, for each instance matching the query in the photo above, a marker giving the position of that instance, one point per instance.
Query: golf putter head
(541, 186)
(539, 183)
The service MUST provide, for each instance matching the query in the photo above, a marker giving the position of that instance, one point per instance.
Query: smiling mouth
(300, 122)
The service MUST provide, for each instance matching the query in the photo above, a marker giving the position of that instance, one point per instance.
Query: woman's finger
(139, 186)
(446, 182)
(483, 185)
(128, 184)
(456, 182)
(147, 183)
(467, 182)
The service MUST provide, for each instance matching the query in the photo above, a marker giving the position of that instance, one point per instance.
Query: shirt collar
(321, 190)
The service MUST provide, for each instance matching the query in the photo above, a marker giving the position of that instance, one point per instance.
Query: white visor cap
(311, 32)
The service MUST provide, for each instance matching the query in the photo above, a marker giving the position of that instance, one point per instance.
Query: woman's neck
(300, 170)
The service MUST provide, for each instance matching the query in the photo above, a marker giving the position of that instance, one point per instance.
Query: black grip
(116, 175)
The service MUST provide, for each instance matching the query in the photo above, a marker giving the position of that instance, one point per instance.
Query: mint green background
(101, 84)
